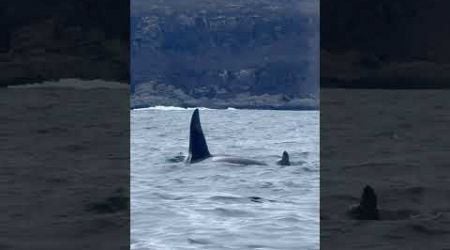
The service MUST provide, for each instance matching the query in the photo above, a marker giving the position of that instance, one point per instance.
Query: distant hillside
(384, 43)
(52, 39)
(234, 52)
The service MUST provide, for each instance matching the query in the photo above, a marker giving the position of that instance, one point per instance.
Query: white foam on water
(178, 108)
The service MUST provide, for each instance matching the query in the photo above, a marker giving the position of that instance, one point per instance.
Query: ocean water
(216, 205)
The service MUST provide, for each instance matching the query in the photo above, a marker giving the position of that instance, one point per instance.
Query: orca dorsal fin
(368, 198)
(284, 159)
(198, 149)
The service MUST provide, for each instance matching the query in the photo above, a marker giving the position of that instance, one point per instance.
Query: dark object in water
(115, 203)
(198, 149)
(367, 207)
(256, 199)
(284, 159)
(179, 158)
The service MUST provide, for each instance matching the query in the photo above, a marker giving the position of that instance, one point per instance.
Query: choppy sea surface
(215, 205)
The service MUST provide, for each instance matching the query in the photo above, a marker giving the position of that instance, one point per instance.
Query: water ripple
(211, 205)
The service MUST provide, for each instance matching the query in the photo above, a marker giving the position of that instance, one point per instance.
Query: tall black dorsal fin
(198, 149)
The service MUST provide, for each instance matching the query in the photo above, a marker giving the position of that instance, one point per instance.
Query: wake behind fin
(198, 149)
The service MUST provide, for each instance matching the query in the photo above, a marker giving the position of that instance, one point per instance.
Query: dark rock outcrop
(224, 51)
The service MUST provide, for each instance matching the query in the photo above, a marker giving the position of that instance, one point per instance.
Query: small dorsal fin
(284, 159)
(367, 207)
(368, 198)
(198, 149)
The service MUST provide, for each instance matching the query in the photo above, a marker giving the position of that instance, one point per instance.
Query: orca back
(198, 149)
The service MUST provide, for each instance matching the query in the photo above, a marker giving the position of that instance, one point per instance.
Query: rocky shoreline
(219, 54)
(158, 94)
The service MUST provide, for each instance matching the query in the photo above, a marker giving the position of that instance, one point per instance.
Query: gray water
(216, 205)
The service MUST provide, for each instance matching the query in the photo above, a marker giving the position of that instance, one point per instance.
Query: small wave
(266, 184)
(428, 229)
(226, 212)
(178, 158)
(228, 199)
(292, 184)
(199, 241)
(309, 169)
(234, 199)
(290, 219)
(168, 196)
(232, 212)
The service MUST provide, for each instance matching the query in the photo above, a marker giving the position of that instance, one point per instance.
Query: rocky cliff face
(227, 52)
(385, 43)
(45, 40)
